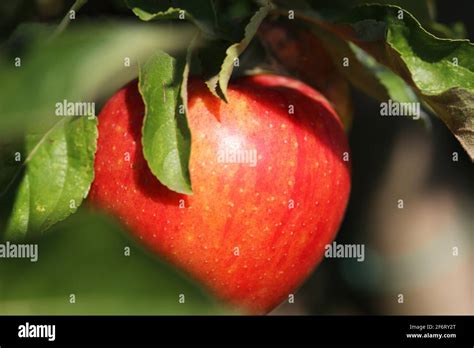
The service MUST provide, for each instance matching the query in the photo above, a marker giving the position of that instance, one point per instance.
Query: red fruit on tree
(270, 176)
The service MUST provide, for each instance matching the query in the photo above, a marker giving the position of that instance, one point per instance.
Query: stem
(66, 19)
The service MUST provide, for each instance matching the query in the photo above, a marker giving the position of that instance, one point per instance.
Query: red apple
(270, 176)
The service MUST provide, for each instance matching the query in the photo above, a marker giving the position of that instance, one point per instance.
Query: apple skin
(233, 205)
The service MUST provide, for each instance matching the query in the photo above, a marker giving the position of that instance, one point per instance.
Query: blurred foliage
(85, 63)
(86, 256)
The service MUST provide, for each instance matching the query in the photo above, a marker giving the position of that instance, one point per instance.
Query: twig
(65, 21)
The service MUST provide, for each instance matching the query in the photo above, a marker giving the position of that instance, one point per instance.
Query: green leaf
(84, 63)
(95, 259)
(58, 175)
(364, 72)
(234, 51)
(441, 71)
(424, 10)
(358, 72)
(397, 89)
(201, 13)
(166, 136)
